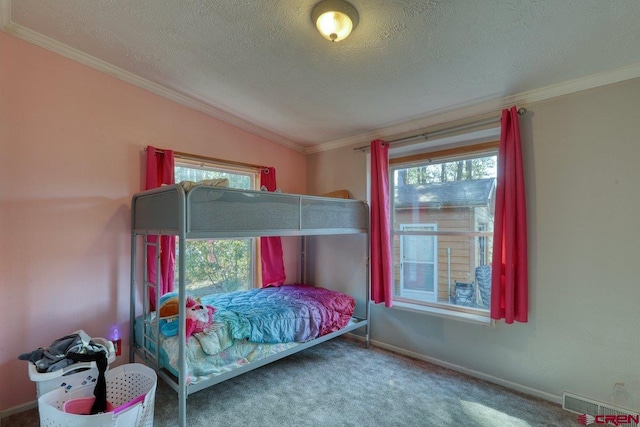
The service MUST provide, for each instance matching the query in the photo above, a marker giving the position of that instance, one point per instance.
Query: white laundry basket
(76, 375)
(125, 384)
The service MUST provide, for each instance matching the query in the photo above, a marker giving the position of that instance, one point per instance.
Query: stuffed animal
(199, 317)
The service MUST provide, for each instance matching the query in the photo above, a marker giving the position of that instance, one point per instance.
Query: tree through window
(219, 265)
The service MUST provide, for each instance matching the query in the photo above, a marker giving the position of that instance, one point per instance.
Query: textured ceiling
(263, 62)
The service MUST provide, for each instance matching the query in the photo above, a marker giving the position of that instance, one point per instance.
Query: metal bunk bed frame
(165, 211)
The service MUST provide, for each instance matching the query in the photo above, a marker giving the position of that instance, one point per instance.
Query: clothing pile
(64, 352)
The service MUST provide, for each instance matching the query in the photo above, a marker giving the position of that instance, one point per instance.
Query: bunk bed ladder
(149, 325)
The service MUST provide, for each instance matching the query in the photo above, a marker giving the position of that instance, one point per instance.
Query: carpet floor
(339, 384)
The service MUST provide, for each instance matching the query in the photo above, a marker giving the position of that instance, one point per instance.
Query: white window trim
(447, 313)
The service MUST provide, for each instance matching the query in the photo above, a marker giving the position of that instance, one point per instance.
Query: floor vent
(600, 413)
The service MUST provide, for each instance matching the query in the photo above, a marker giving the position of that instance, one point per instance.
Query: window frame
(231, 168)
(442, 155)
(216, 165)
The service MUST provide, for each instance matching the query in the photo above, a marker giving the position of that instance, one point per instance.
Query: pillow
(189, 185)
(338, 194)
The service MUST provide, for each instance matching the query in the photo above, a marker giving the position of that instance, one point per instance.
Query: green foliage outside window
(221, 265)
(198, 173)
(467, 169)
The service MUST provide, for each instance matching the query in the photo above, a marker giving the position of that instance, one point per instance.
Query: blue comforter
(289, 313)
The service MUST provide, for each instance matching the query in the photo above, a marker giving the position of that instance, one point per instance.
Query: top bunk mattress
(222, 212)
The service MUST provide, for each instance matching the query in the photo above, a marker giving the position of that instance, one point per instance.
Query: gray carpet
(340, 383)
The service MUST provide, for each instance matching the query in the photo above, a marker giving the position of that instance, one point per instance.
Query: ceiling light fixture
(335, 19)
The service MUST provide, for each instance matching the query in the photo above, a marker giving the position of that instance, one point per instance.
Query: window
(418, 263)
(220, 265)
(442, 227)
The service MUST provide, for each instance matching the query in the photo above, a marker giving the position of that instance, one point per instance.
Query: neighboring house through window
(442, 208)
(220, 265)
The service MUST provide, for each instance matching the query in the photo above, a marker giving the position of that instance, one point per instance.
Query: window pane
(221, 265)
(418, 277)
(215, 266)
(186, 172)
(418, 248)
(445, 193)
(450, 207)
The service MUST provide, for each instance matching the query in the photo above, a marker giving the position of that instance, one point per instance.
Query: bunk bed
(206, 212)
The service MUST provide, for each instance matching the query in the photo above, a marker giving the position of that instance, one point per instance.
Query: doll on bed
(199, 317)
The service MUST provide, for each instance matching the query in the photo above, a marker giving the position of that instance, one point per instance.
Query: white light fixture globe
(335, 19)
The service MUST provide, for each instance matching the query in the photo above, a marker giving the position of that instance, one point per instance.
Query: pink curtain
(160, 170)
(509, 288)
(271, 247)
(381, 268)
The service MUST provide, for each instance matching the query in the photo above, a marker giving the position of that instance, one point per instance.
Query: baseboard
(476, 374)
(17, 409)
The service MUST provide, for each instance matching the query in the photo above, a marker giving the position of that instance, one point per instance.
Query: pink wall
(72, 141)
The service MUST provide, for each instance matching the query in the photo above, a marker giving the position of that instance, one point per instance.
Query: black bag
(100, 390)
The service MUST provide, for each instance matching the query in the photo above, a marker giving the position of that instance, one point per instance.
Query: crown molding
(486, 106)
(100, 65)
(5, 12)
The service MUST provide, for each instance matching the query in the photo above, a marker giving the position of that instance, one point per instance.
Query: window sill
(441, 312)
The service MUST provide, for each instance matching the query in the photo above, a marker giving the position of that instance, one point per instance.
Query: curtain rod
(197, 157)
(427, 135)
